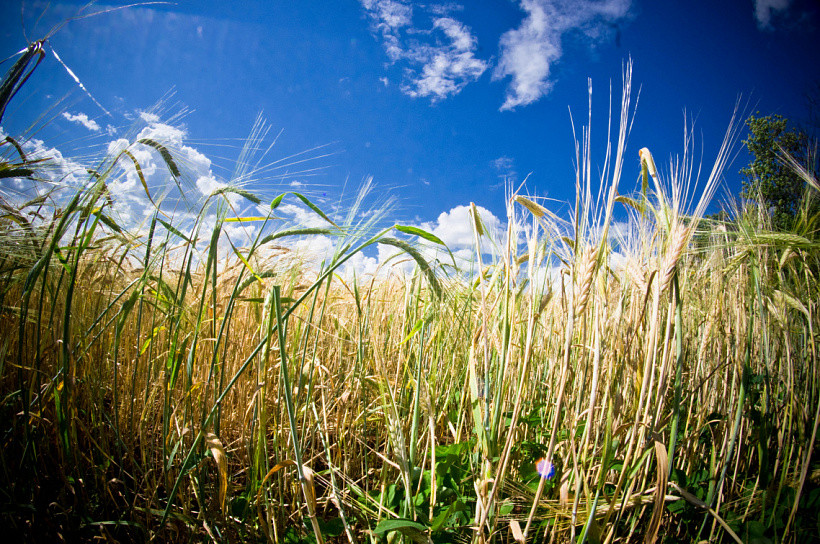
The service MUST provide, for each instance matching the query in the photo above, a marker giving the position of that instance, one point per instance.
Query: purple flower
(545, 468)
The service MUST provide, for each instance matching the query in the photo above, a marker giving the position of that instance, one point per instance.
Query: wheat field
(630, 372)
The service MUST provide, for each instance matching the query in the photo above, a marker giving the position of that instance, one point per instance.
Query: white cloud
(764, 9)
(505, 167)
(55, 168)
(313, 250)
(149, 117)
(161, 132)
(83, 119)
(503, 163)
(455, 227)
(362, 265)
(439, 62)
(241, 234)
(529, 51)
(390, 14)
(207, 185)
(447, 69)
(302, 217)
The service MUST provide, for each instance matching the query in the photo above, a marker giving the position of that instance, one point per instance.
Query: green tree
(768, 180)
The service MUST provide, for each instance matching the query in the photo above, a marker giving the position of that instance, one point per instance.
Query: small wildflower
(545, 468)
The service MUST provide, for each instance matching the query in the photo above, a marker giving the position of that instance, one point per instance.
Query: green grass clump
(164, 384)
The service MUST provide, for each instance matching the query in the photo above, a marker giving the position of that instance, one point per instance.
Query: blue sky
(440, 102)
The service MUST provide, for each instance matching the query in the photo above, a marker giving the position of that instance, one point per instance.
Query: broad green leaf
(420, 233)
(315, 208)
(110, 223)
(244, 261)
(414, 331)
(409, 528)
(125, 310)
(276, 201)
(173, 229)
(150, 339)
(12, 172)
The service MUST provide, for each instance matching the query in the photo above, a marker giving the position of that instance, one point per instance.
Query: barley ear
(586, 271)
(678, 240)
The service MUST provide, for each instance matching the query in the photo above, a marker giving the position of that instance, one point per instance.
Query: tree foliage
(768, 180)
